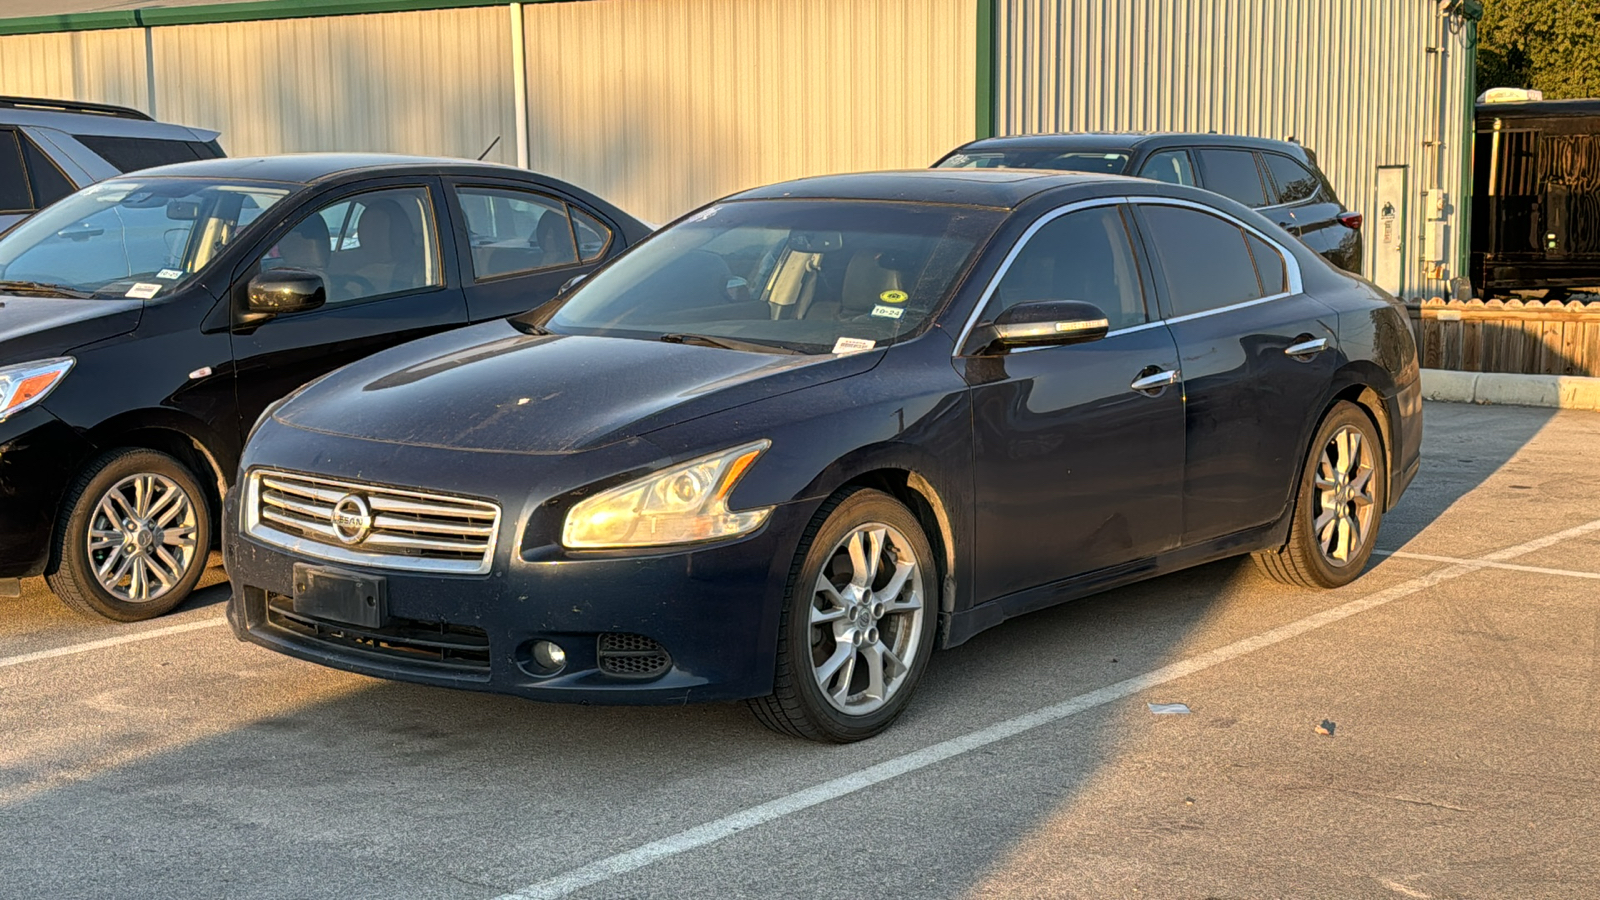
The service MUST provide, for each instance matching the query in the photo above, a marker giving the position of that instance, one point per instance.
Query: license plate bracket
(340, 595)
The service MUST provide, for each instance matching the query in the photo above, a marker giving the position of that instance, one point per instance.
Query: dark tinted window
(14, 193)
(1171, 166)
(1295, 184)
(1232, 173)
(1203, 257)
(1084, 255)
(49, 185)
(132, 154)
(1269, 266)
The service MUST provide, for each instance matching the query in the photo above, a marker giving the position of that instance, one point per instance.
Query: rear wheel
(1338, 505)
(858, 623)
(133, 538)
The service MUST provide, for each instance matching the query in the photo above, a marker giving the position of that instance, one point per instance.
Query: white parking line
(111, 642)
(1538, 570)
(612, 866)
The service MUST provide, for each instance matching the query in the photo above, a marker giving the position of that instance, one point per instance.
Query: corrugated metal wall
(1352, 79)
(99, 66)
(665, 105)
(436, 82)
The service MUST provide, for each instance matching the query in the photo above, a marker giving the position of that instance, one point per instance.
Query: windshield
(811, 276)
(130, 237)
(1105, 162)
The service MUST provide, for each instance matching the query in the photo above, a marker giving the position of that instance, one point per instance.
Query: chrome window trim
(1291, 266)
(252, 525)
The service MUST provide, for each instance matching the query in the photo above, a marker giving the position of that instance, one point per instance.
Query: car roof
(309, 168)
(1000, 188)
(1127, 140)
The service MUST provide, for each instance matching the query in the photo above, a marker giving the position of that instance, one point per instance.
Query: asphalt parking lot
(1461, 675)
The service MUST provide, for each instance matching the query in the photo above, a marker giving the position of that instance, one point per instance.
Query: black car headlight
(683, 504)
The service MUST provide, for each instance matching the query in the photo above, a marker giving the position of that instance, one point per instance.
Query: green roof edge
(254, 10)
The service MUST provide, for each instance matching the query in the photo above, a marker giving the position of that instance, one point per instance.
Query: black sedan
(786, 446)
(146, 321)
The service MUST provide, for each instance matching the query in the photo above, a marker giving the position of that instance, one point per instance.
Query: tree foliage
(1549, 45)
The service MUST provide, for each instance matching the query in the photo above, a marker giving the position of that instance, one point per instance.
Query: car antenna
(488, 148)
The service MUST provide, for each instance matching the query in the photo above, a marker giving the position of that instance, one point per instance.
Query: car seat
(390, 257)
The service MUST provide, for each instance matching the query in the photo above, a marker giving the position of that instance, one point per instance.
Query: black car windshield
(130, 237)
(813, 276)
(1105, 162)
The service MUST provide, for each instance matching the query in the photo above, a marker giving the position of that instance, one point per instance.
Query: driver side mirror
(276, 292)
(1049, 323)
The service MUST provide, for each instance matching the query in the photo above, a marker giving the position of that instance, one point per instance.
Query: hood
(40, 327)
(491, 387)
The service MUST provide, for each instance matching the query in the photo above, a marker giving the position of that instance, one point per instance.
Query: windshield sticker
(888, 312)
(144, 291)
(892, 297)
(170, 274)
(852, 345)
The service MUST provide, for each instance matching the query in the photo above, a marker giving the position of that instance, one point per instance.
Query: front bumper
(713, 611)
(39, 454)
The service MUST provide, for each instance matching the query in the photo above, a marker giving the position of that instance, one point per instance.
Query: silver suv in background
(51, 148)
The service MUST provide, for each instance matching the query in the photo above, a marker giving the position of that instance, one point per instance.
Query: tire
(842, 630)
(1344, 485)
(156, 544)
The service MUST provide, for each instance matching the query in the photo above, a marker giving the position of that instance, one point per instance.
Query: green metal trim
(984, 125)
(255, 10)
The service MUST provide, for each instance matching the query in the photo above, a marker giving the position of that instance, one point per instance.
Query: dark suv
(50, 148)
(1280, 179)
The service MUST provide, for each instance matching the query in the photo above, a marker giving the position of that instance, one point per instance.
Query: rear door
(520, 244)
(390, 278)
(1257, 354)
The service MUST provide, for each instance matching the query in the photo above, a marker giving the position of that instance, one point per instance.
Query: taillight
(1350, 220)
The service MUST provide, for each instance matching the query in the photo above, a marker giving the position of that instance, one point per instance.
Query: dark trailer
(1536, 196)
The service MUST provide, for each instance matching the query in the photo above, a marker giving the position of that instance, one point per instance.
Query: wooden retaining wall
(1530, 337)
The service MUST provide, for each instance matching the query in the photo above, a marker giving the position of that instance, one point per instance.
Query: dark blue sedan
(788, 445)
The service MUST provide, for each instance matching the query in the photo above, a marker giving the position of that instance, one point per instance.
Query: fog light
(549, 656)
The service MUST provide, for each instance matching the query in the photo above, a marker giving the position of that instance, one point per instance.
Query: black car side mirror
(276, 292)
(1046, 323)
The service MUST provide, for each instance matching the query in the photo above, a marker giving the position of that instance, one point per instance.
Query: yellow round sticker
(893, 296)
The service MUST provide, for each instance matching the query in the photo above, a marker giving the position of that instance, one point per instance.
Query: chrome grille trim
(411, 530)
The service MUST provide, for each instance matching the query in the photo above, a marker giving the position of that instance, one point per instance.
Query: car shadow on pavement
(284, 779)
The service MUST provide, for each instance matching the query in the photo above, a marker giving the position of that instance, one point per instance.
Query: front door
(1075, 470)
(1257, 355)
(389, 279)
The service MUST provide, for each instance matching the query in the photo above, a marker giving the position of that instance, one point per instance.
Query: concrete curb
(1553, 391)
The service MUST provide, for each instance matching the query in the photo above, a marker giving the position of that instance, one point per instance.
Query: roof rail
(74, 106)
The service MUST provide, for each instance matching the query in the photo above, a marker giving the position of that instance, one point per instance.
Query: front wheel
(1338, 505)
(858, 622)
(133, 538)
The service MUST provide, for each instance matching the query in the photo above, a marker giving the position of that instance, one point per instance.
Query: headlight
(681, 505)
(25, 384)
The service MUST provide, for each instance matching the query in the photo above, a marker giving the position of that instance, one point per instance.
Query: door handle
(1155, 381)
(1306, 349)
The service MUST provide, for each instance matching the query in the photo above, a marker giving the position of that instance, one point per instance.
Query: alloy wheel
(1345, 496)
(867, 618)
(142, 537)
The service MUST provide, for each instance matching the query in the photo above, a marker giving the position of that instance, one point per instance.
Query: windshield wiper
(43, 289)
(725, 343)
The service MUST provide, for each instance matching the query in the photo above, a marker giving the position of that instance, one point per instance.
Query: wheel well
(184, 449)
(925, 503)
